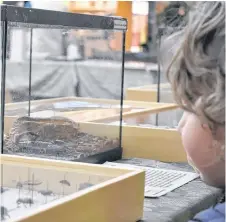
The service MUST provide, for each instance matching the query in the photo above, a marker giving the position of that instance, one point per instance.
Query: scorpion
(25, 201)
(46, 192)
(84, 186)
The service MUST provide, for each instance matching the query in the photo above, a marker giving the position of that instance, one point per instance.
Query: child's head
(197, 76)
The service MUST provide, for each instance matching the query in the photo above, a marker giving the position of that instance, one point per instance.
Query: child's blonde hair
(197, 70)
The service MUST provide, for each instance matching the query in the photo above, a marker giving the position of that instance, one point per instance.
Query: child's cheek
(197, 145)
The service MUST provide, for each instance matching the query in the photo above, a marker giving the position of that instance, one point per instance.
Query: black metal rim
(45, 18)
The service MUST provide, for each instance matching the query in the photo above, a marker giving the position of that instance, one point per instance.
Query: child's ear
(206, 127)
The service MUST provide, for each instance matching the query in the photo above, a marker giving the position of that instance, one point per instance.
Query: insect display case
(40, 130)
(149, 133)
(34, 189)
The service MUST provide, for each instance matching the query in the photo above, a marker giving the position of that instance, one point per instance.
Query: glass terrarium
(47, 62)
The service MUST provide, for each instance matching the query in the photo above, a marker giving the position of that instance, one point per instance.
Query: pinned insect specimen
(25, 201)
(19, 185)
(32, 190)
(31, 184)
(46, 192)
(4, 213)
(3, 189)
(65, 182)
(83, 186)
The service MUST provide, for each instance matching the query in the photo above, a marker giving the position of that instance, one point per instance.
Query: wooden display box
(141, 142)
(148, 93)
(77, 191)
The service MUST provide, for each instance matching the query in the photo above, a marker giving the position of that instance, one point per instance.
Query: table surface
(181, 204)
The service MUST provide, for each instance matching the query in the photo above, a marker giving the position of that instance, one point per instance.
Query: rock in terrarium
(54, 137)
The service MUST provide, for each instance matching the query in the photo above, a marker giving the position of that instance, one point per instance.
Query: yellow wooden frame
(162, 107)
(147, 93)
(141, 142)
(137, 142)
(112, 200)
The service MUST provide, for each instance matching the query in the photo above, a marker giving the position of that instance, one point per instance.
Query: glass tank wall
(74, 62)
(1, 107)
(56, 68)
